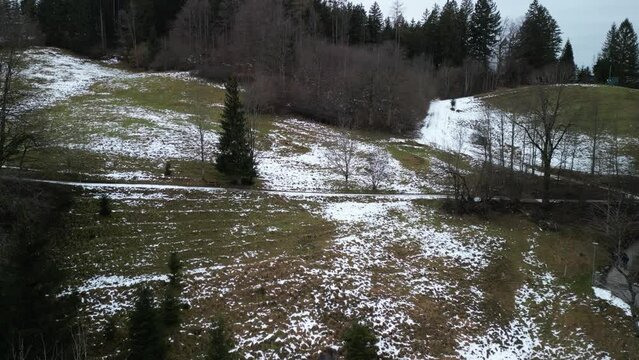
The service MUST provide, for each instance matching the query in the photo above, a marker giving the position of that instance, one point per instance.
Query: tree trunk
(546, 191)
(4, 106)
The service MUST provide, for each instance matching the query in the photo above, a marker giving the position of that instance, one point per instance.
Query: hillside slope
(465, 124)
(292, 269)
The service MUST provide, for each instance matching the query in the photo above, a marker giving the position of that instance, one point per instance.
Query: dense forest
(336, 61)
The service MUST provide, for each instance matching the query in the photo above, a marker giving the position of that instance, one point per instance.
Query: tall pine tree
(567, 66)
(432, 46)
(32, 311)
(146, 331)
(360, 343)
(221, 343)
(619, 56)
(626, 55)
(374, 24)
(485, 26)
(604, 67)
(450, 34)
(357, 25)
(171, 307)
(236, 153)
(539, 38)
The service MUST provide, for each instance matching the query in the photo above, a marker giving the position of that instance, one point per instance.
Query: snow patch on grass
(454, 129)
(57, 76)
(608, 297)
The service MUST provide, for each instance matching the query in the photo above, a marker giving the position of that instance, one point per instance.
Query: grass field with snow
(294, 260)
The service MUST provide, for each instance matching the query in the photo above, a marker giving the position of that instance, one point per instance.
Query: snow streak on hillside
(297, 159)
(462, 129)
(56, 76)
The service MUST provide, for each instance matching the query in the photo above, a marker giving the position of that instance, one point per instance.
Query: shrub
(146, 333)
(220, 342)
(167, 169)
(360, 343)
(105, 206)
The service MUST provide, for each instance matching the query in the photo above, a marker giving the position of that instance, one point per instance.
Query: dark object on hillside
(221, 343)
(105, 206)
(360, 343)
(34, 316)
(236, 150)
(146, 340)
(167, 169)
(328, 354)
(624, 260)
(171, 305)
(548, 225)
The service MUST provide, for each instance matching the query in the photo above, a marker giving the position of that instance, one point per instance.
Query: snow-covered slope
(456, 128)
(56, 75)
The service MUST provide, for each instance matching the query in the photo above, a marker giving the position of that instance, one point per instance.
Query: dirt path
(287, 193)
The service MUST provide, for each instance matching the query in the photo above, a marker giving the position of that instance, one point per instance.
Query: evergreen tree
(626, 55)
(171, 307)
(374, 24)
(539, 37)
(360, 343)
(221, 342)
(485, 26)
(146, 333)
(463, 19)
(432, 36)
(236, 155)
(31, 308)
(567, 62)
(618, 57)
(357, 25)
(584, 75)
(388, 32)
(604, 67)
(105, 206)
(450, 35)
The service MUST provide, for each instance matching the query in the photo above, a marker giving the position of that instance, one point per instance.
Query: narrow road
(287, 193)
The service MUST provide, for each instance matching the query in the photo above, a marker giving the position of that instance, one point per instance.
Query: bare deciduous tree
(546, 130)
(595, 135)
(80, 343)
(342, 156)
(16, 34)
(377, 168)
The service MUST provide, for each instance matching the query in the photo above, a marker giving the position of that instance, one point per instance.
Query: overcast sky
(584, 22)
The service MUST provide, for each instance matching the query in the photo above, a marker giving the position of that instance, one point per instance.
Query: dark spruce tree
(485, 26)
(171, 306)
(360, 343)
(539, 38)
(146, 331)
(567, 66)
(450, 34)
(357, 25)
(374, 24)
(236, 153)
(432, 42)
(32, 311)
(221, 343)
(618, 58)
(627, 55)
(605, 68)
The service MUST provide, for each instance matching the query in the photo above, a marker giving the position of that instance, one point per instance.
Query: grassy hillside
(618, 107)
(291, 267)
